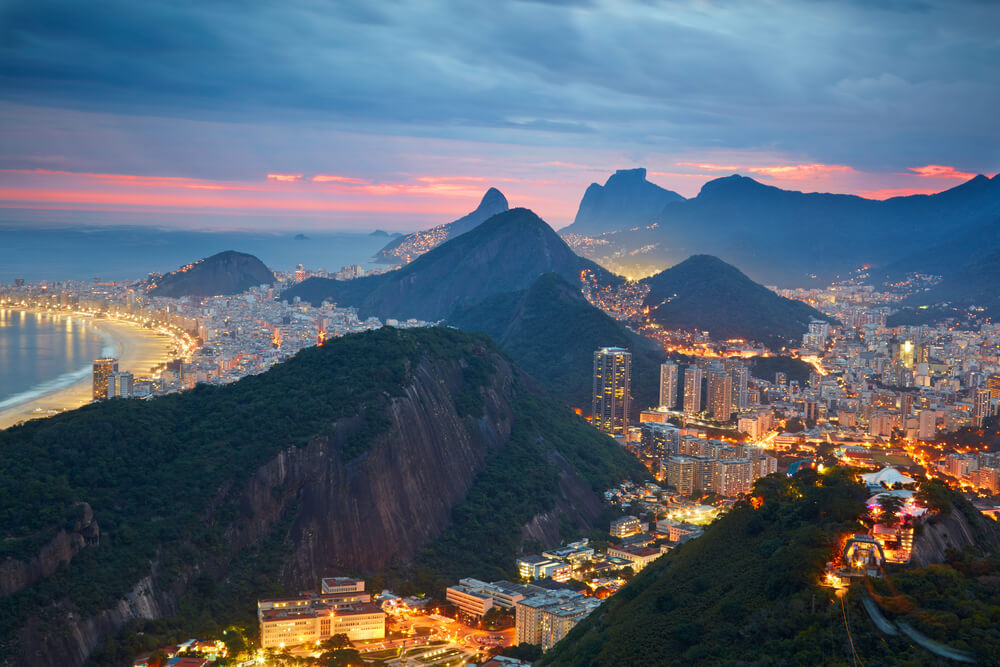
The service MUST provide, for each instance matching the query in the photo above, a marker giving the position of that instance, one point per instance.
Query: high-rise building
(680, 474)
(928, 424)
(741, 390)
(612, 389)
(692, 390)
(103, 368)
(668, 385)
(720, 394)
(993, 384)
(981, 405)
(120, 385)
(733, 477)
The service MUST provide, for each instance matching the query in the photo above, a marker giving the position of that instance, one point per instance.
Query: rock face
(405, 249)
(508, 252)
(626, 199)
(337, 508)
(16, 575)
(953, 531)
(228, 272)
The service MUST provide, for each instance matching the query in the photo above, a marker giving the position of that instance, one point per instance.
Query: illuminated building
(625, 526)
(103, 368)
(733, 477)
(720, 394)
(993, 384)
(311, 618)
(982, 406)
(546, 618)
(612, 389)
(692, 390)
(342, 585)
(680, 474)
(741, 392)
(640, 557)
(668, 385)
(120, 385)
(928, 424)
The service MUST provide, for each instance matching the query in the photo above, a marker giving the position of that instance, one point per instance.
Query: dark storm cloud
(896, 83)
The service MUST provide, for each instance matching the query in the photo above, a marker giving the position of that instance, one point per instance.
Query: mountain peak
(493, 200)
(227, 272)
(625, 199)
(728, 185)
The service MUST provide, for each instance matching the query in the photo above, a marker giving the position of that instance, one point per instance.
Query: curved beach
(138, 350)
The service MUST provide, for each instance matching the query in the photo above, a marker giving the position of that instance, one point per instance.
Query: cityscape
(586, 333)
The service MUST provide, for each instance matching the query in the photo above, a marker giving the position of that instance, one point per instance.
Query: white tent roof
(887, 477)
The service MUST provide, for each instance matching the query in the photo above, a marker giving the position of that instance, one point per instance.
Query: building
(625, 526)
(121, 385)
(311, 618)
(612, 389)
(734, 477)
(639, 557)
(660, 440)
(538, 567)
(668, 385)
(470, 600)
(546, 618)
(720, 394)
(678, 531)
(342, 585)
(103, 368)
(680, 474)
(993, 384)
(692, 390)
(927, 424)
(982, 406)
(740, 387)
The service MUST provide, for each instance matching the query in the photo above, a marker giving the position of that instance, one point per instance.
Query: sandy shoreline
(138, 350)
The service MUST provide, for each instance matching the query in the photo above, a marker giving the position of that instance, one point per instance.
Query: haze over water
(41, 352)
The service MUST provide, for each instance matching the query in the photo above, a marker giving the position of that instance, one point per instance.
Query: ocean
(130, 253)
(40, 353)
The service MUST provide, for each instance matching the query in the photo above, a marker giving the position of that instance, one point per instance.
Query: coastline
(137, 348)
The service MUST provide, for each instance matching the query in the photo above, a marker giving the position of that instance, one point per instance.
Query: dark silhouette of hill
(228, 272)
(747, 592)
(789, 238)
(551, 331)
(403, 249)
(421, 446)
(974, 286)
(626, 199)
(704, 293)
(506, 253)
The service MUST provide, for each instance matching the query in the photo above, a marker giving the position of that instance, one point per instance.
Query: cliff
(342, 460)
(958, 529)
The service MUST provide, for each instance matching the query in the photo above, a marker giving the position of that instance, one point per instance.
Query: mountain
(706, 294)
(626, 199)
(228, 272)
(506, 253)
(404, 249)
(975, 285)
(422, 449)
(746, 592)
(551, 331)
(791, 238)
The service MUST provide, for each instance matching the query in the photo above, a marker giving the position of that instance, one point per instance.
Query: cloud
(790, 172)
(284, 178)
(329, 178)
(888, 193)
(941, 171)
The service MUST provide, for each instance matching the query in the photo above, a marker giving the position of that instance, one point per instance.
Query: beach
(138, 349)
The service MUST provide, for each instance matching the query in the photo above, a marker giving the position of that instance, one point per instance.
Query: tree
(158, 658)
(337, 641)
(889, 505)
(935, 496)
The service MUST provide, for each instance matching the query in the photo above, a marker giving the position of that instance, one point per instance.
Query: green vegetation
(163, 477)
(743, 593)
(551, 331)
(765, 368)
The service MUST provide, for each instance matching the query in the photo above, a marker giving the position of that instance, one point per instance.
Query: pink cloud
(790, 172)
(330, 178)
(284, 178)
(941, 171)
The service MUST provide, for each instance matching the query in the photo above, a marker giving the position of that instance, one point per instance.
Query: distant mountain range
(228, 272)
(506, 253)
(404, 249)
(975, 285)
(551, 331)
(787, 237)
(704, 293)
(626, 199)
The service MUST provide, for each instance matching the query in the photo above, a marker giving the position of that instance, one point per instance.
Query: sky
(303, 114)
